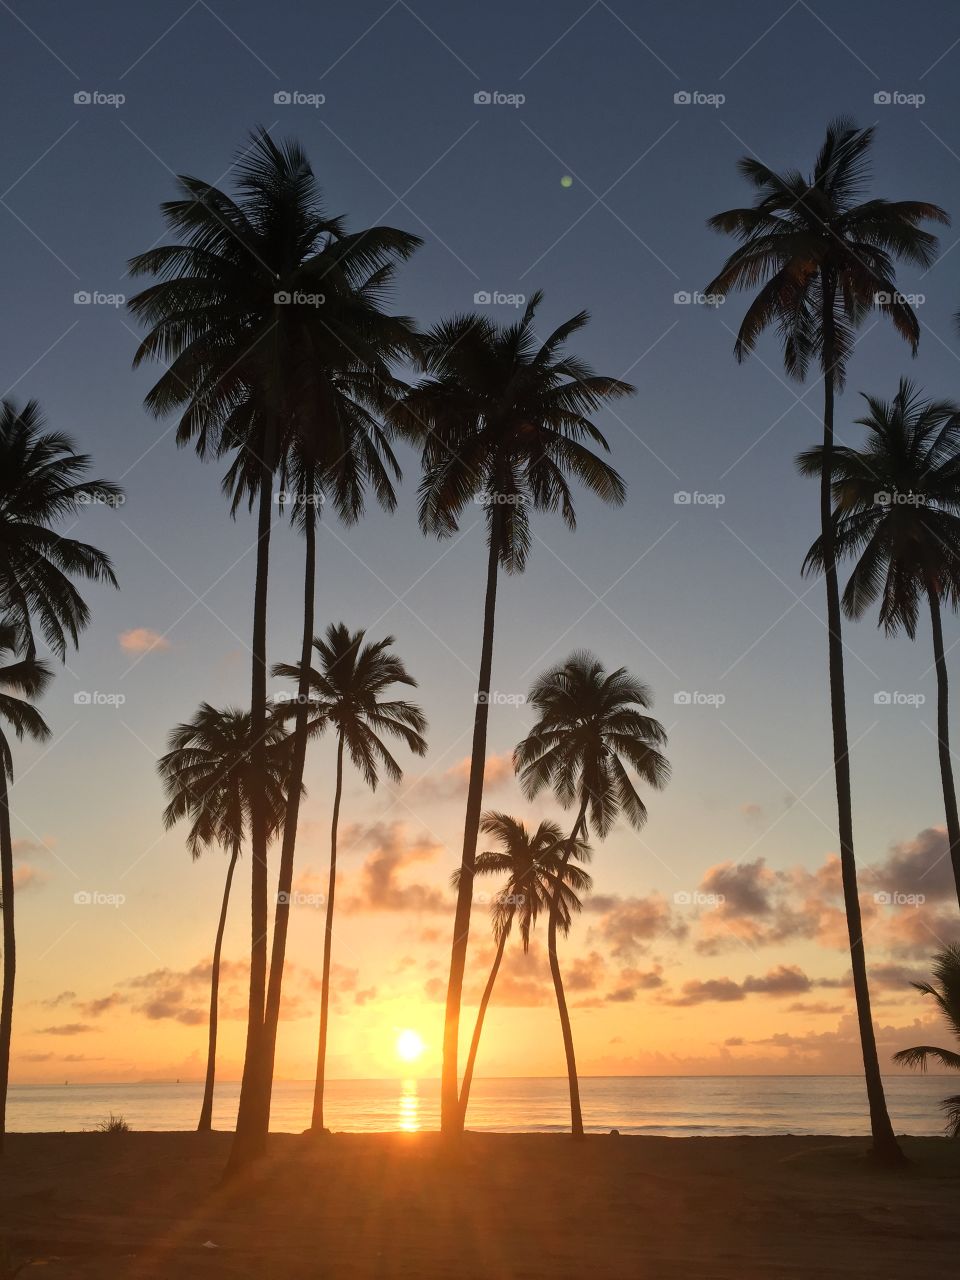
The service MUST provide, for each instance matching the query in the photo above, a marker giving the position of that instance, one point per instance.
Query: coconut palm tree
(824, 259)
(898, 511)
(534, 866)
(260, 293)
(208, 780)
(504, 422)
(21, 681)
(592, 733)
(42, 485)
(346, 695)
(945, 989)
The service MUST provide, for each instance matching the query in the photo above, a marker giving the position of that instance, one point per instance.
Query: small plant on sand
(113, 1124)
(945, 989)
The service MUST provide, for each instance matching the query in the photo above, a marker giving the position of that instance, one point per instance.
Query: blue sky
(699, 598)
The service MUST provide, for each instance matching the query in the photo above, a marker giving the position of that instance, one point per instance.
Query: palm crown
(591, 733)
(269, 317)
(504, 420)
(945, 989)
(897, 507)
(346, 693)
(532, 865)
(814, 247)
(21, 681)
(207, 775)
(42, 484)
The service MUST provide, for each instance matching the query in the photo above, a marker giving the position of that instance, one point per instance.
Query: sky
(603, 137)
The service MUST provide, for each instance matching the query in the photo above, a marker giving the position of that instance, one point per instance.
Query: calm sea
(669, 1105)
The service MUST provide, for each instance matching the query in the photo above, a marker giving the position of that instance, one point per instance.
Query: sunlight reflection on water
(408, 1116)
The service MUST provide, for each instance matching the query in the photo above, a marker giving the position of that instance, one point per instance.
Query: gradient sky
(695, 598)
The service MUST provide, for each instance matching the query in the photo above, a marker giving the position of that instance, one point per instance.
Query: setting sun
(409, 1046)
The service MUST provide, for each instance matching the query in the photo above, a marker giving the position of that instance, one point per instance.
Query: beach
(147, 1206)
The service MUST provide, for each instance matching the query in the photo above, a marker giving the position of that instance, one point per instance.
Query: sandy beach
(521, 1207)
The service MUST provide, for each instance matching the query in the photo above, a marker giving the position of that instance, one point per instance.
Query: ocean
(674, 1106)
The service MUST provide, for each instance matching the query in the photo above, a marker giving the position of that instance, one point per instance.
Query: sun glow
(409, 1046)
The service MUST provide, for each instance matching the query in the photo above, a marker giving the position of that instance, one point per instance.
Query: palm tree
(945, 989)
(247, 308)
(21, 681)
(824, 259)
(42, 485)
(207, 778)
(346, 694)
(504, 422)
(591, 733)
(534, 867)
(898, 510)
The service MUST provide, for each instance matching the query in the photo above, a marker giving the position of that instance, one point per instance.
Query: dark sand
(523, 1207)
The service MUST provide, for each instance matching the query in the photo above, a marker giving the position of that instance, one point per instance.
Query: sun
(409, 1046)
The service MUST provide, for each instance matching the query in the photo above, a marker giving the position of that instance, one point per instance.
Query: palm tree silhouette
(346, 695)
(21, 681)
(504, 422)
(945, 989)
(207, 777)
(42, 484)
(824, 260)
(239, 315)
(534, 866)
(591, 733)
(898, 509)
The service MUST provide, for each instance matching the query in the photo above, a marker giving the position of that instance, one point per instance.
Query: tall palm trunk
(250, 1139)
(885, 1146)
(206, 1110)
(451, 1118)
(475, 1042)
(9, 949)
(316, 1123)
(573, 1080)
(943, 735)
(291, 818)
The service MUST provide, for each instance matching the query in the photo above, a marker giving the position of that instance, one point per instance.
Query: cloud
(27, 877)
(142, 640)
(452, 783)
(54, 1002)
(918, 866)
(67, 1029)
(629, 925)
(780, 981)
(377, 885)
(752, 810)
(94, 1008)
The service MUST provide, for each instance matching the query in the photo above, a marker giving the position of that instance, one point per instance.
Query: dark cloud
(67, 1029)
(377, 886)
(629, 925)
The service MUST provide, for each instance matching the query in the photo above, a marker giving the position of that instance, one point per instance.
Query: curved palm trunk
(943, 736)
(9, 949)
(573, 1080)
(475, 1042)
(206, 1110)
(451, 1117)
(288, 847)
(885, 1145)
(316, 1124)
(250, 1139)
